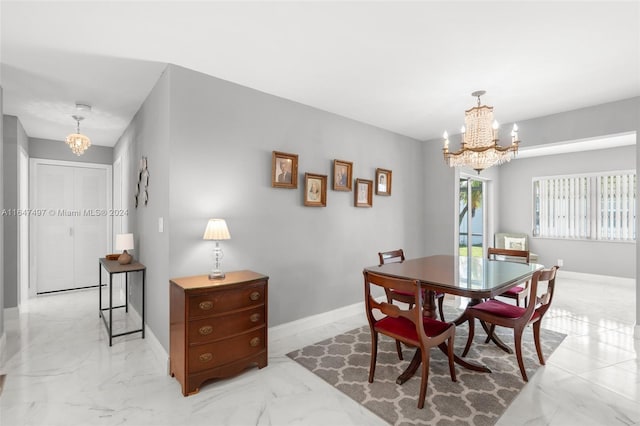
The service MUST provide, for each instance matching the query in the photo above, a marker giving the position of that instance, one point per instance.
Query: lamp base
(125, 258)
(216, 275)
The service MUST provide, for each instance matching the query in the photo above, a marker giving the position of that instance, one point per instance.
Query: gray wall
(58, 150)
(216, 162)
(594, 257)
(14, 139)
(1, 225)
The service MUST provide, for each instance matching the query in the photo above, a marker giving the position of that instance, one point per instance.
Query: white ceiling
(408, 67)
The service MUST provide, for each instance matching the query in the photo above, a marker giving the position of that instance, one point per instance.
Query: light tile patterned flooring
(61, 371)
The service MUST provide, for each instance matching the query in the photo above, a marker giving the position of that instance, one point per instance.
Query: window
(598, 206)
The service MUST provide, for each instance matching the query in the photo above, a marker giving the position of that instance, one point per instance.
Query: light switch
(160, 224)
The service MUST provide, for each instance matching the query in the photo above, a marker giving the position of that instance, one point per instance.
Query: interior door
(72, 231)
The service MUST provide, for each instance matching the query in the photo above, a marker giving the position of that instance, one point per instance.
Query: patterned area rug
(475, 399)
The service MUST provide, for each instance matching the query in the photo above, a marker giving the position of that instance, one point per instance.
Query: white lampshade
(216, 230)
(124, 242)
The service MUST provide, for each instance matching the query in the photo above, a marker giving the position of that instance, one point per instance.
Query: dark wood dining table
(473, 278)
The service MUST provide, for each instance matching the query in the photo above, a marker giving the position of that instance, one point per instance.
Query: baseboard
(3, 348)
(594, 277)
(297, 326)
(11, 313)
(156, 347)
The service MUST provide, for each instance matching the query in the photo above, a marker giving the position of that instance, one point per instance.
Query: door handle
(71, 232)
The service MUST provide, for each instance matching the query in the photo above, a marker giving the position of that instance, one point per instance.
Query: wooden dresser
(218, 328)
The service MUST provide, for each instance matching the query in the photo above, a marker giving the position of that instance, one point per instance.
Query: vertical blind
(596, 206)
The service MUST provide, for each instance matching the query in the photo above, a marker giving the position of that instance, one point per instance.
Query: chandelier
(77, 141)
(480, 149)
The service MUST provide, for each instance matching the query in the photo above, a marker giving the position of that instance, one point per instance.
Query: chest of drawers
(218, 328)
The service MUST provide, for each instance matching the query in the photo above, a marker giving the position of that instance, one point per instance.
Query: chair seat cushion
(502, 309)
(514, 290)
(403, 327)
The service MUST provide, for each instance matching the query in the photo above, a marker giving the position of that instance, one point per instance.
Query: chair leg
(517, 334)
(452, 367)
(374, 355)
(424, 377)
(470, 338)
(440, 307)
(399, 350)
(536, 339)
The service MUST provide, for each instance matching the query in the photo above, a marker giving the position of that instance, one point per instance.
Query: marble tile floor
(60, 371)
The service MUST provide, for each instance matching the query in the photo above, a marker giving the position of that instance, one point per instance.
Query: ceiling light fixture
(480, 149)
(77, 141)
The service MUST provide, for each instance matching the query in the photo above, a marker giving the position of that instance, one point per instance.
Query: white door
(72, 232)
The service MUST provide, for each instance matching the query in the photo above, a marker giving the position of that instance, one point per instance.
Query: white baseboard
(297, 326)
(3, 348)
(594, 277)
(156, 347)
(11, 313)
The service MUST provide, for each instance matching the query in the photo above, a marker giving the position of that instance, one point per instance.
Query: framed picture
(284, 170)
(383, 182)
(363, 195)
(342, 172)
(315, 190)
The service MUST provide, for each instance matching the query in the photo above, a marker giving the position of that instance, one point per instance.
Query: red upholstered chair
(409, 326)
(498, 313)
(394, 294)
(520, 292)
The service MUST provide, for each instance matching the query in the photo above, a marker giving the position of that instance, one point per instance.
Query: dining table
(474, 278)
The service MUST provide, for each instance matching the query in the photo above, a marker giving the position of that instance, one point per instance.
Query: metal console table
(113, 267)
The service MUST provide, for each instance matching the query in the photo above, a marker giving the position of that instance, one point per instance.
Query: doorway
(471, 218)
(71, 227)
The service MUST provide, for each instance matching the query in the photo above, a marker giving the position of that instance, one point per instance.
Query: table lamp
(216, 231)
(124, 242)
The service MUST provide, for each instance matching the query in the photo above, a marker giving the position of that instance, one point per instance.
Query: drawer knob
(254, 318)
(206, 357)
(254, 342)
(206, 329)
(206, 305)
(254, 295)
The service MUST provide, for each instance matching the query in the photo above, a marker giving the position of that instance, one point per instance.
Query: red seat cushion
(501, 309)
(404, 327)
(514, 290)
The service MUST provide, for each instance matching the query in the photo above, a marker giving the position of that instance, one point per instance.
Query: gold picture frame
(383, 182)
(342, 175)
(315, 190)
(284, 170)
(363, 194)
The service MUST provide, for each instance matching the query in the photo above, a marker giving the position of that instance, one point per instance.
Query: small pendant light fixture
(77, 141)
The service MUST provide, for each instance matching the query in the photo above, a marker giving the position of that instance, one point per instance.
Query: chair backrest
(414, 314)
(391, 256)
(509, 255)
(543, 301)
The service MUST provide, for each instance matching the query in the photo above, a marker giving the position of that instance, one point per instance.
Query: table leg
(110, 309)
(99, 290)
(126, 292)
(144, 277)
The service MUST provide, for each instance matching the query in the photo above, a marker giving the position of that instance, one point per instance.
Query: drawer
(214, 328)
(203, 357)
(226, 300)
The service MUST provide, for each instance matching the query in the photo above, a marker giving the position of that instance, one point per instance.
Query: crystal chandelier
(480, 149)
(77, 141)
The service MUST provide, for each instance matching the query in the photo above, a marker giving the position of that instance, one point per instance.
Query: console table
(113, 267)
(218, 328)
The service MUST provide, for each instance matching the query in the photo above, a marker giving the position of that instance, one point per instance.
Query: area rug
(475, 399)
